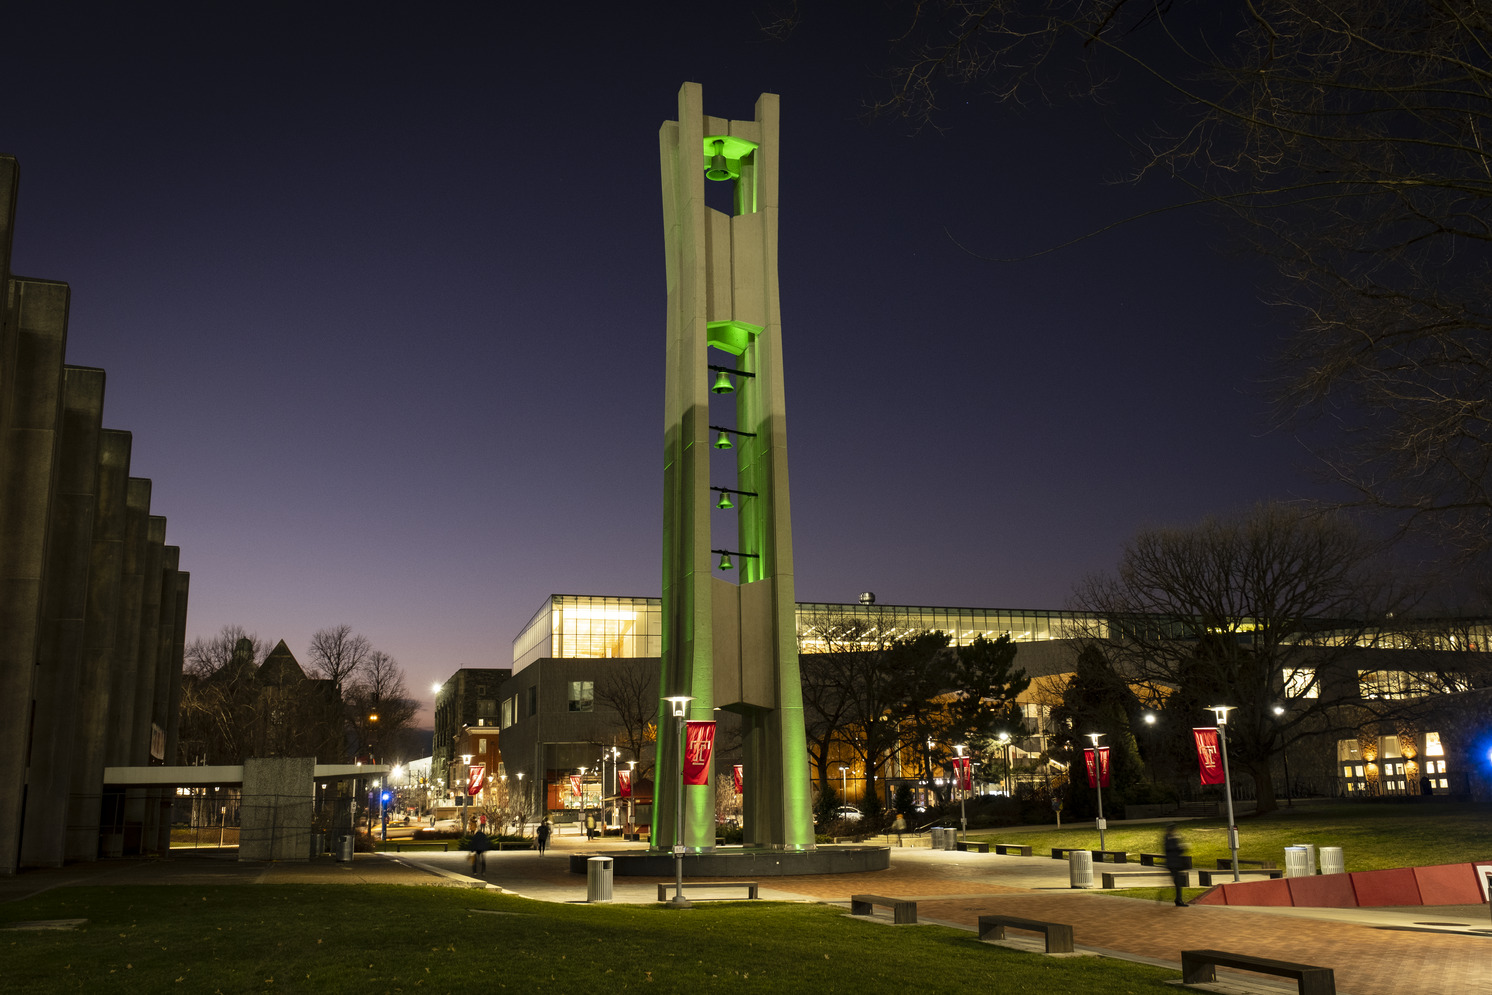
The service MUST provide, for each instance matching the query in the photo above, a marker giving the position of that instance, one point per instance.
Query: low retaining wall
(1438, 884)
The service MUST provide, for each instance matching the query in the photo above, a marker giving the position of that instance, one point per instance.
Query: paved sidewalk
(1418, 951)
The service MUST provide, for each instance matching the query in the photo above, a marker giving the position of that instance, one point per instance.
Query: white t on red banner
(624, 784)
(476, 777)
(1209, 757)
(699, 747)
(1098, 767)
(963, 771)
(575, 785)
(736, 772)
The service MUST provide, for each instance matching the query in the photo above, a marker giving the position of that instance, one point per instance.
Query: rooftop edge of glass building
(579, 626)
(570, 626)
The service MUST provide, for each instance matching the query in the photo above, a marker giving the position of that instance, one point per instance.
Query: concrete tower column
(64, 604)
(725, 644)
(32, 340)
(105, 569)
(161, 704)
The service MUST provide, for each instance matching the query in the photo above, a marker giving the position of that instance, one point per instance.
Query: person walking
(1176, 861)
(543, 836)
(480, 844)
(899, 827)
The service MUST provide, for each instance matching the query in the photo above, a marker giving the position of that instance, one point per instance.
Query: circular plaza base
(735, 861)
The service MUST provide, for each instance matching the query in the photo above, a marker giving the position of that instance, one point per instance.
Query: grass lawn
(1371, 836)
(384, 938)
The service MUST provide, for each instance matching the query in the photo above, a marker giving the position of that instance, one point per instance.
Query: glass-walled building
(573, 627)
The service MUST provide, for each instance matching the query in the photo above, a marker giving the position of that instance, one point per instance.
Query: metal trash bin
(1310, 849)
(598, 879)
(344, 848)
(1080, 868)
(1331, 860)
(1297, 862)
(950, 839)
(318, 844)
(936, 841)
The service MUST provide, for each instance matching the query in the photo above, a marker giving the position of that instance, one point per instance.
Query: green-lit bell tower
(727, 645)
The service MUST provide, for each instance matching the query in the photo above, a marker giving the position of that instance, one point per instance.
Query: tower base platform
(730, 861)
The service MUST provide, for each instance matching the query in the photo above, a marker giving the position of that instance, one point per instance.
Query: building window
(486, 706)
(533, 700)
(582, 695)
(1432, 745)
(482, 745)
(510, 705)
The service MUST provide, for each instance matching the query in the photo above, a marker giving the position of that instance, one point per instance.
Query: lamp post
(522, 803)
(1009, 774)
(1098, 780)
(844, 788)
(463, 793)
(1285, 755)
(632, 795)
(963, 812)
(679, 703)
(1150, 738)
(1221, 711)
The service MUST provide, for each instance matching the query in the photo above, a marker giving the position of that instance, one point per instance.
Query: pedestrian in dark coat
(543, 835)
(1176, 861)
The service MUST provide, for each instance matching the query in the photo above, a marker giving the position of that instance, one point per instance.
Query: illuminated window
(1300, 682)
(482, 745)
(582, 696)
(510, 705)
(1433, 747)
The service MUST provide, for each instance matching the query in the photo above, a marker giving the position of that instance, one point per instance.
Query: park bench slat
(903, 910)
(1200, 967)
(1058, 934)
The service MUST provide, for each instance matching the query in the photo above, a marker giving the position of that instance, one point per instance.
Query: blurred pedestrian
(543, 836)
(1176, 861)
(480, 844)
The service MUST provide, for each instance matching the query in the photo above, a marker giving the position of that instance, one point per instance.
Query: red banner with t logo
(736, 772)
(476, 777)
(575, 785)
(624, 784)
(1209, 757)
(699, 747)
(1098, 767)
(963, 772)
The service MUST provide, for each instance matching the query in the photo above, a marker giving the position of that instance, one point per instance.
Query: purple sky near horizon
(383, 305)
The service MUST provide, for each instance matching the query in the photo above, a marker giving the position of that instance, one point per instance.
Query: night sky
(380, 293)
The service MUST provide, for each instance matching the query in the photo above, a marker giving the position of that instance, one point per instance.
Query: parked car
(847, 812)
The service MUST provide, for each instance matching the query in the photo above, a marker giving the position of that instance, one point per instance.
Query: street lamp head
(1150, 718)
(1279, 709)
(678, 702)
(520, 777)
(435, 688)
(960, 748)
(1221, 711)
(1096, 736)
(466, 758)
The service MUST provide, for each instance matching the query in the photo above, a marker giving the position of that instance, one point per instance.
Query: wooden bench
(1199, 967)
(974, 845)
(1159, 860)
(1016, 849)
(1205, 878)
(665, 887)
(1109, 877)
(1118, 856)
(1226, 864)
(1061, 852)
(418, 844)
(902, 910)
(1058, 934)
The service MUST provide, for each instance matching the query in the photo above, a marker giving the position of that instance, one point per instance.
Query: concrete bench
(1061, 852)
(1110, 877)
(1013, 849)
(418, 844)
(1058, 935)
(1159, 860)
(664, 887)
(1199, 967)
(1116, 856)
(1206, 878)
(974, 845)
(902, 910)
(1226, 864)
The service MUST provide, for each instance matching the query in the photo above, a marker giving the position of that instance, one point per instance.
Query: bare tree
(1268, 608)
(220, 701)
(379, 706)
(629, 688)
(337, 654)
(206, 656)
(1348, 139)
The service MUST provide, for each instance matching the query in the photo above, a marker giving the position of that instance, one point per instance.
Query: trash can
(1297, 862)
(318, 844)
(1310, 849)
(936, 837)
(950, 839)
(344, 848)
(1080, 868)
(1331, 860)
(598, 879)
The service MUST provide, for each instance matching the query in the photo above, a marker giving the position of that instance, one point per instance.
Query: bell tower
(727, 644)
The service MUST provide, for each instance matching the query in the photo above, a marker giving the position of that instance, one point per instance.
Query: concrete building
(92, 600)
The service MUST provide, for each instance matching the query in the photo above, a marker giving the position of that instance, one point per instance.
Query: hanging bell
(723, 385)
(724, 561)
(718, 169)
(724, 503)
(723, 442)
